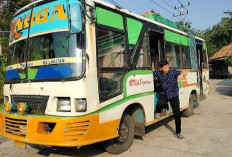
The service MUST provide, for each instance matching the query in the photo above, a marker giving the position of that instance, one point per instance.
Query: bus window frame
(160, 30)
(175, 44)
(124, 70)
(149, 53)
(59, 79)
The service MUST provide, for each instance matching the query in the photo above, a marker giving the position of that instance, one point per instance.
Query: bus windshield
(50, 56)
(41, 47)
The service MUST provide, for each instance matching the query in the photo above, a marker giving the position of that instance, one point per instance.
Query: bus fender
(137, 114)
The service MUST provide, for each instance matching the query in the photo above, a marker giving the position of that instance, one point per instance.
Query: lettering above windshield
(48, 17)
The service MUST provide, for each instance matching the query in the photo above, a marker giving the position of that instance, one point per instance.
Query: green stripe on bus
(184, 40)
(115, 104)
(22, 76)
(32, 73)
(204, 47)
(134, 29)
(109, 18)
(180, 85)
(176, 38)
(134, 72)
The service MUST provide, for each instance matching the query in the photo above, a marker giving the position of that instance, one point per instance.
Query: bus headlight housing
(22, 108)
(6, 99)
(8, 107)
(63, 105)
(80, 105)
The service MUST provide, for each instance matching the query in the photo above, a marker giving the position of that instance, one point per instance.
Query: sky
(202, 14)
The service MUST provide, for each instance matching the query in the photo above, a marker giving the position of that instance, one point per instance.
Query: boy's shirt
(170, 82)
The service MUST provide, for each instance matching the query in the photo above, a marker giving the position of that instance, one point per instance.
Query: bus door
(200, 67)
(156, 48)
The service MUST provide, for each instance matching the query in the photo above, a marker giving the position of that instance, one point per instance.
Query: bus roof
(143, 18)
(119, 9)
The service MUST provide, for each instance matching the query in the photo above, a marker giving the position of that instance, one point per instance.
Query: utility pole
(182, 12)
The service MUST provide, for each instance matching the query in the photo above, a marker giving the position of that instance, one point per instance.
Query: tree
(184, 24)
(229, 61)
(220, 35)
(6, 14)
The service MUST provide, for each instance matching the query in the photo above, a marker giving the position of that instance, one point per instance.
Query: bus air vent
(74, 131)
(16, 126)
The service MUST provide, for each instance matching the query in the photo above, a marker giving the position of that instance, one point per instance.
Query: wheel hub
(123, 133)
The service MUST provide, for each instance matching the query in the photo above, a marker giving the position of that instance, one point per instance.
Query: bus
(80, 72)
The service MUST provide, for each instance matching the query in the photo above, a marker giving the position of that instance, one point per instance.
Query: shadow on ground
(160, 124)
(91, 150)
(227, 91)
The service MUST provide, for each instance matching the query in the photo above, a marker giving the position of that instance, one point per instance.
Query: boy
(168, 78)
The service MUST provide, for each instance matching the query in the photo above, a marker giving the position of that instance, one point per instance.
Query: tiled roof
(226, 51)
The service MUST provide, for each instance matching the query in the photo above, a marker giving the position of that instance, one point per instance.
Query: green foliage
(2, 76)
(184, 24)
(229, 61)
(219, 35)
(188, 26)
(6, 14)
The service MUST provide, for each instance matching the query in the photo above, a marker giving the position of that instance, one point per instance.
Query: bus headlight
(8, 107)
(64, 105)
(80, 105)
(6, 99)
(22, 108)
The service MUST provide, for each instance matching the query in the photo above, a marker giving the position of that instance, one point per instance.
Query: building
(219, 68)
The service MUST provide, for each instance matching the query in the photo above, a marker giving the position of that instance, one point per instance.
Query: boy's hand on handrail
(182, 75)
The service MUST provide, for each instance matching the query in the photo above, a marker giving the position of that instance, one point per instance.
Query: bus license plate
(20, 144)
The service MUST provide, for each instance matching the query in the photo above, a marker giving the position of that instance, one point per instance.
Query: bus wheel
(189, 111)
(125, 139)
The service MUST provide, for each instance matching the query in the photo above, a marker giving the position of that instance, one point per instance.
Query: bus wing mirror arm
(92, 10)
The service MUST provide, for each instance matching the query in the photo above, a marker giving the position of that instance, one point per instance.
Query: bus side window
(144, 56)
(111, 55)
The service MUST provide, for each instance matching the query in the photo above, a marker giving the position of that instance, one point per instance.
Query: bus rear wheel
(125, 139)
(189, 111)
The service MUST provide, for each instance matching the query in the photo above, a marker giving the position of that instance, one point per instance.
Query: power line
(168, 4)
(115, 3)
(171, 2)
(179, 2)
(171, 7)
(182, 9)
(161, 7)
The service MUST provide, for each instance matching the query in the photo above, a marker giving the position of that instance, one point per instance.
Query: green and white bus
(80, 72)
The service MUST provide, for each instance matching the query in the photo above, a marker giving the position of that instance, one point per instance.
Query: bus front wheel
(125, 139)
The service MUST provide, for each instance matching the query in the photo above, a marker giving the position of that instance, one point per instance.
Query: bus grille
(74, 131)
(36, 103)
(16, 126)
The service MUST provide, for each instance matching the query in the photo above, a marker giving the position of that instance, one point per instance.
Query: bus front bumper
(57, 131)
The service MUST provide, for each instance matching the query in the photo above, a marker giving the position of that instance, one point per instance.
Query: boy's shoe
(157, 115)
(179, 136)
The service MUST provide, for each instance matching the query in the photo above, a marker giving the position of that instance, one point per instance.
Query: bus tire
(126, 135)
(189, 111)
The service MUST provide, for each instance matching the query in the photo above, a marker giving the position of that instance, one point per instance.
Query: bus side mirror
(75, 21)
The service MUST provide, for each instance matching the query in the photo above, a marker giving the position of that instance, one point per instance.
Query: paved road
(208, 133)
